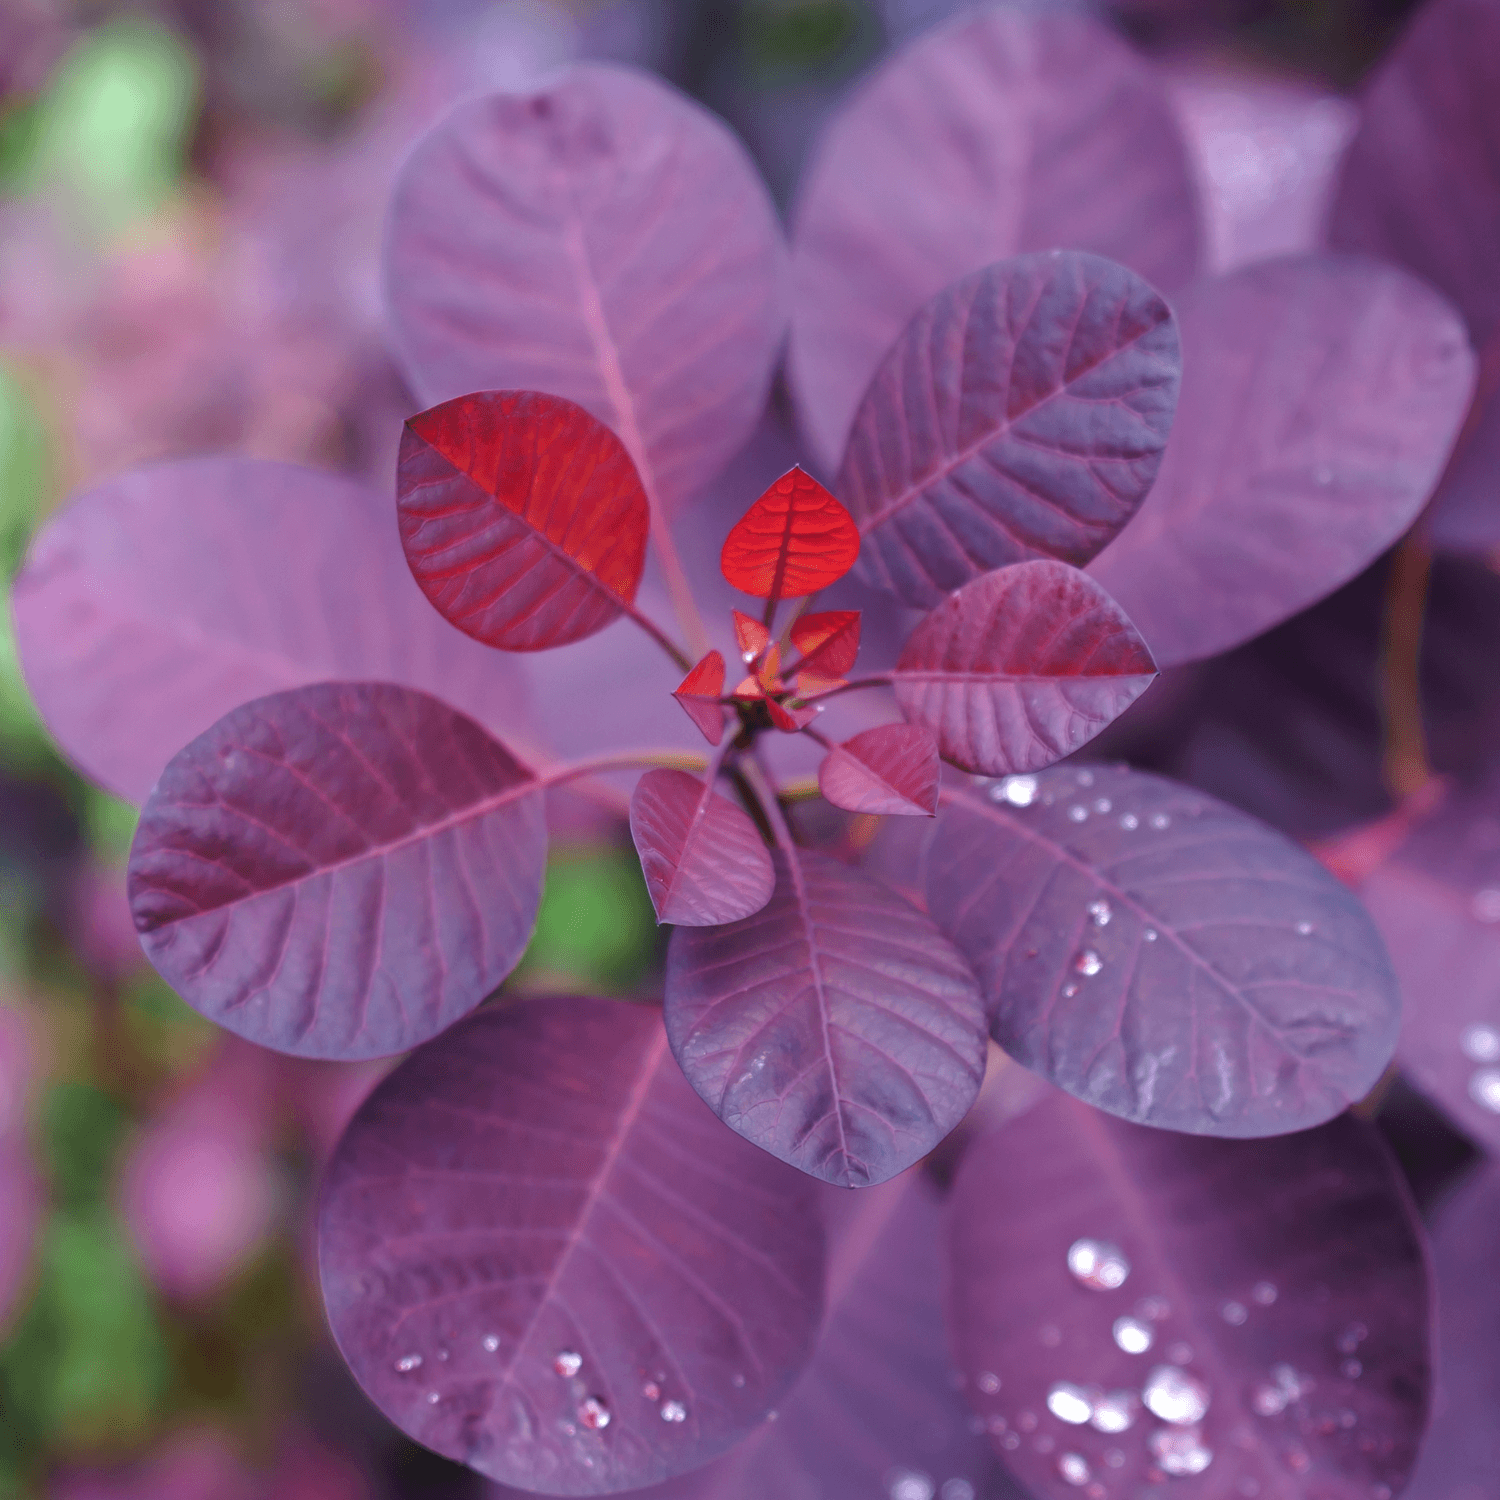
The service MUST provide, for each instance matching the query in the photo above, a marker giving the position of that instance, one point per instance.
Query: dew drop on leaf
(1100, 912)
(1074, 1468)
(1234, 1313)
(1129, 822)
(1103, 805)
(1484, 1089)
(491, 1343)
(1160, 821)
(957, 1489)
(1351, 1369)
(1264, 1292)
(988, 1382)
(910, 1484)
(1134, 1336)
(673, 1411)
(1180, 1451)
(1150, 934)
(568, 1363)
(1019, 791)
(593, 1413)
(1098, 1264)
(1116, 1412)
(1175, 1396)
(1070, 1403)
(433, 1398)
(408, 1362)
(1088, 963)
(1480, 1044)
(1078, 813)
(1304, 929)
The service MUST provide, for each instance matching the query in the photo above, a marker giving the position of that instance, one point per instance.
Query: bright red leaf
(751, 635)
(522, 516)
(699, 696)
(795, 540)
(829, 642)
(892, 768)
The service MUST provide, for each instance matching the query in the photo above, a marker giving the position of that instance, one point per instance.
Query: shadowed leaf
(795, 540)
(892, 768)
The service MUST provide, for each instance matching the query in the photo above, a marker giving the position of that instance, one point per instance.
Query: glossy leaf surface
(522, 517)
(1322, 397)
(704, 860)
(1050, 121)
(603, 238)
(795, 540)
(892, 768)
(1279, 1284)
(1161, 956)
(836, 1028)
(1022, 413)
(341, 870)
(533, 1221)
(699, 694)
(157, 602)
(1021, 667)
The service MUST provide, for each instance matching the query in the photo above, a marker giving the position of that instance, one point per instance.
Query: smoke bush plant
(1169, 1253)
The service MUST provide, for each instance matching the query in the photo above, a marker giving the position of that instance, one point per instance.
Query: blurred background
(191, 195)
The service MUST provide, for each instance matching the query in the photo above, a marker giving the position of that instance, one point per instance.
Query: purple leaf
(1051, 122)
(342, 870)
(160, 600)
(1162, 956)
(543, 1257)
(605, 239)
(1238, 1317)
(835, 1028)
(703, 858)
(1021, 667)
(1022, 414)
(891, 769)
(1322, 396)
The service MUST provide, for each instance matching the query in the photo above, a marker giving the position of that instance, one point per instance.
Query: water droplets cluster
(1097, 1264)
(1481, 1044)
(912, 1484)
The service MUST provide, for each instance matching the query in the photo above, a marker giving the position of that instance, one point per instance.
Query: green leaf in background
(788, 40)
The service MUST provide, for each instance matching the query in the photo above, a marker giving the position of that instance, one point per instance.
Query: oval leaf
(703, 858)
(603, 238)
(159, 601)
(1022, 414)
(544, 1258)
(1162, 956)
(835, 1028)
(1051, 122)
(795, 540)
(1280, 1286)
(1322, 398)
(523, 518)
(892, 768)
(1021, 667)
(342, 870)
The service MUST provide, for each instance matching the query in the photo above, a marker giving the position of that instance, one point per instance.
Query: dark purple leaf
(542, 1256)
(1237, 1317)
(892, 768)
(1022, 414)
(1050, 122)
(605, 239)
(703, 858)
(1021, 667)
(1161, 956)
(1322, 396)
(835, 1028)
(341, 870)
(159, 601)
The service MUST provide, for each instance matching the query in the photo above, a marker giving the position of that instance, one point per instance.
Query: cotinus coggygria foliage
(591, 1245)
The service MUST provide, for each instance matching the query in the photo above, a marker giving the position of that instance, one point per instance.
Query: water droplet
(1133, 1336)
(1027, 1421)
(1085, 778)
(593, 1413)
(1180, 1450)
(1234, 1313)
(1297, 1460)
(433, 1398)
(1486, 905)
(1180, 1354)
(1074, 1468)
(737, 1381)
(910, 1484)
(1050, 1335)
(1114, 1458)
(1304, 929)
(491, 1342)
(1071, 1403)
(1480, 1044)
(1101, 911)
(1484, 1089)
(995, 1423)
(1323, 476)
(408, 1362)
(1069, 990)
(1019, 791)
(988, 1382)
(1160, 821)
(1263, 1292)
(1098, 1264)
(1285, 1386)
(1352, 1337)
(651, 1390)
(1351, 1369)
(1077, 813)
(1088, 963)
(1116, 1412)
(442, 1356)
(568, 1363)
(1175, 1396)
(1010, 1442)
(1150, 934)
(1129, 822)
(1103, 805)
(957, 1489)
(673, 1411)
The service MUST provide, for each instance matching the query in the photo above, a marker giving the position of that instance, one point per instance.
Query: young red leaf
(892, 768)
(795, 540)
(522, 516)
(1021, 667)
(836, 1027)
(829, 642)
(751, 636)
(342, 870)
(699, 694)
(703, 859)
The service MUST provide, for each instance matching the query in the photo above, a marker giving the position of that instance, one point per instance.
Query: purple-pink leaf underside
(836, 1028)
(603, 238)
(1437, 904)
(1280, 1287)
(543, 1257)
(1021, 667)
(1321, 398)
(891, 769)
(703, 859)
(341, 870)
(1050, 121)
(159, 601)
(1161, 956)
(1022, 413)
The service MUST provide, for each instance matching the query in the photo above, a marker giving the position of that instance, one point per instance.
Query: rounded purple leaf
(543, 1257)
(836, 1028)
(603, 238)
(342, 870)
(1236, 1317)
(1161, 956)
(1322, 396)
(1023, 413)
(1050, 123)
(891, 769)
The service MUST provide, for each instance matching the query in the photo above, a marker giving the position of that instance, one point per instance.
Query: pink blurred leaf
(892, 768)
(20, 1190)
